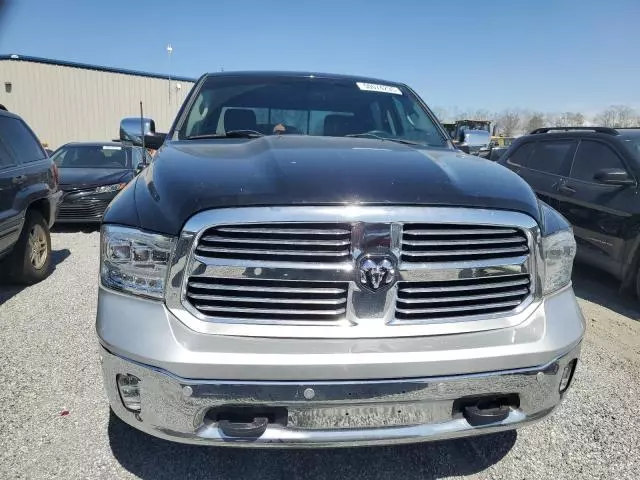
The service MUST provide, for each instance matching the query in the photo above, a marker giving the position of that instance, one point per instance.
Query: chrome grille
(254, 299)
(295, 272)
(460, 298)
(422, 243)
(279, 242)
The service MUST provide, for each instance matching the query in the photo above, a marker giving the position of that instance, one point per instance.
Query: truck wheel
(32, 255)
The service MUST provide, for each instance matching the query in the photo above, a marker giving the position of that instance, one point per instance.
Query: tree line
(510, 122)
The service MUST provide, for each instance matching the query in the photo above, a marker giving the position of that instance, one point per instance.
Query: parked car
(590, 175)
(92, 174)
(29, 199)
(310, 261)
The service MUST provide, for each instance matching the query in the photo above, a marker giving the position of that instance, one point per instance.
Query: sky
(547, 55)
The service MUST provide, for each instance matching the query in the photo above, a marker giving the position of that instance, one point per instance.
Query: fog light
(567, 375)
(129, 388)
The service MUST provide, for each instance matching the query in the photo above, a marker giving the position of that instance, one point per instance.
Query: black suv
(29, 200)
(590, 175)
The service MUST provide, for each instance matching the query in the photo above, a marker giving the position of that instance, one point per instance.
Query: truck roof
(302, 74)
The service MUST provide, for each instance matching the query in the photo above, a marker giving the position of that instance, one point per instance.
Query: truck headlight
(110, 188)
(558, 252)
(134, 261)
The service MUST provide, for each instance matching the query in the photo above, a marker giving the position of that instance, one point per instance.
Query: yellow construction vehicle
(500, 141)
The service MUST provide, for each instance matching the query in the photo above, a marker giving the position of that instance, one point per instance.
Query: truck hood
(190, 176)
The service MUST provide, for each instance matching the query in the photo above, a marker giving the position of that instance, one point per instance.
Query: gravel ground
(49, 366)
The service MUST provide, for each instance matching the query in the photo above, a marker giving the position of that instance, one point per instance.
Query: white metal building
(64, 101)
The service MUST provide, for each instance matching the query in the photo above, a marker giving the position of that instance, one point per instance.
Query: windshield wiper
(391, 139)
(229, 134)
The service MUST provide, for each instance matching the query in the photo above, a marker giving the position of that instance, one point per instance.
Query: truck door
(543, 164)
(601, 213)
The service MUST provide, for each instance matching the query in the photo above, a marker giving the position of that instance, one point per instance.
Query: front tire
(32, 255)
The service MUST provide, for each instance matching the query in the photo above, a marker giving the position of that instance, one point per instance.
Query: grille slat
(464, 288)
(269, 300)
(466, 241)
(321, 242)
(284, 231)
(461, 231)
(465, 308)
(460, 298)
(268, 311)
(423, 243)
(302, 301)
(483, 296)
(263, 252)
(461, 253)
(278, 242)
(261, 288)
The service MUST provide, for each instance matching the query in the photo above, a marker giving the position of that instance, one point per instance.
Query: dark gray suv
(29, 198)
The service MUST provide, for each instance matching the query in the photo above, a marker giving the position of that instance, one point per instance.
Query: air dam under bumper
(321, 414)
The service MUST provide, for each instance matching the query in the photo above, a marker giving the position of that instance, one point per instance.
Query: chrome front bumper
(333, 413)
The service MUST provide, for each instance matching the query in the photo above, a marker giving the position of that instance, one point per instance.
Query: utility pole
(169, 52)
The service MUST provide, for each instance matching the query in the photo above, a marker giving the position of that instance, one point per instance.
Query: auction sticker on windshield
(372, 87)
(109, 147)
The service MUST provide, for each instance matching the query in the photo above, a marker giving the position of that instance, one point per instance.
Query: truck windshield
(308, 106)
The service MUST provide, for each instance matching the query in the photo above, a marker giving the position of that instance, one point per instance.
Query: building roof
(86, 66)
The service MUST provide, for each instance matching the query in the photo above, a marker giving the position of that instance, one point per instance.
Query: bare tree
(458, 114)
(533, 120)
(441, 113)
(566, 119)
(577, 119)
(480, 114)
(562, 120)
(617, 116)
(606, 118)
(508, 122)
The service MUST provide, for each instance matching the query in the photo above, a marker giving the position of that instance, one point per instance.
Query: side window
(15, 134)
(196, 115)
(414, 124)
(549, 156)
(6, 160)
(521, 155)
(591, 157)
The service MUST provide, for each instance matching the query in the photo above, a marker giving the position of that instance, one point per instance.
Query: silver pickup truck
(309, 261)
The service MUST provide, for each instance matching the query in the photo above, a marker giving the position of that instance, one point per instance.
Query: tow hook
(478, 417)
(487, 409)
(244, 429)
(242, 422)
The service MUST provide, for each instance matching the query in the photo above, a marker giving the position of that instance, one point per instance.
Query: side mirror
(155, 140)
(614, 176)
(464, 148)
(133, 129)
